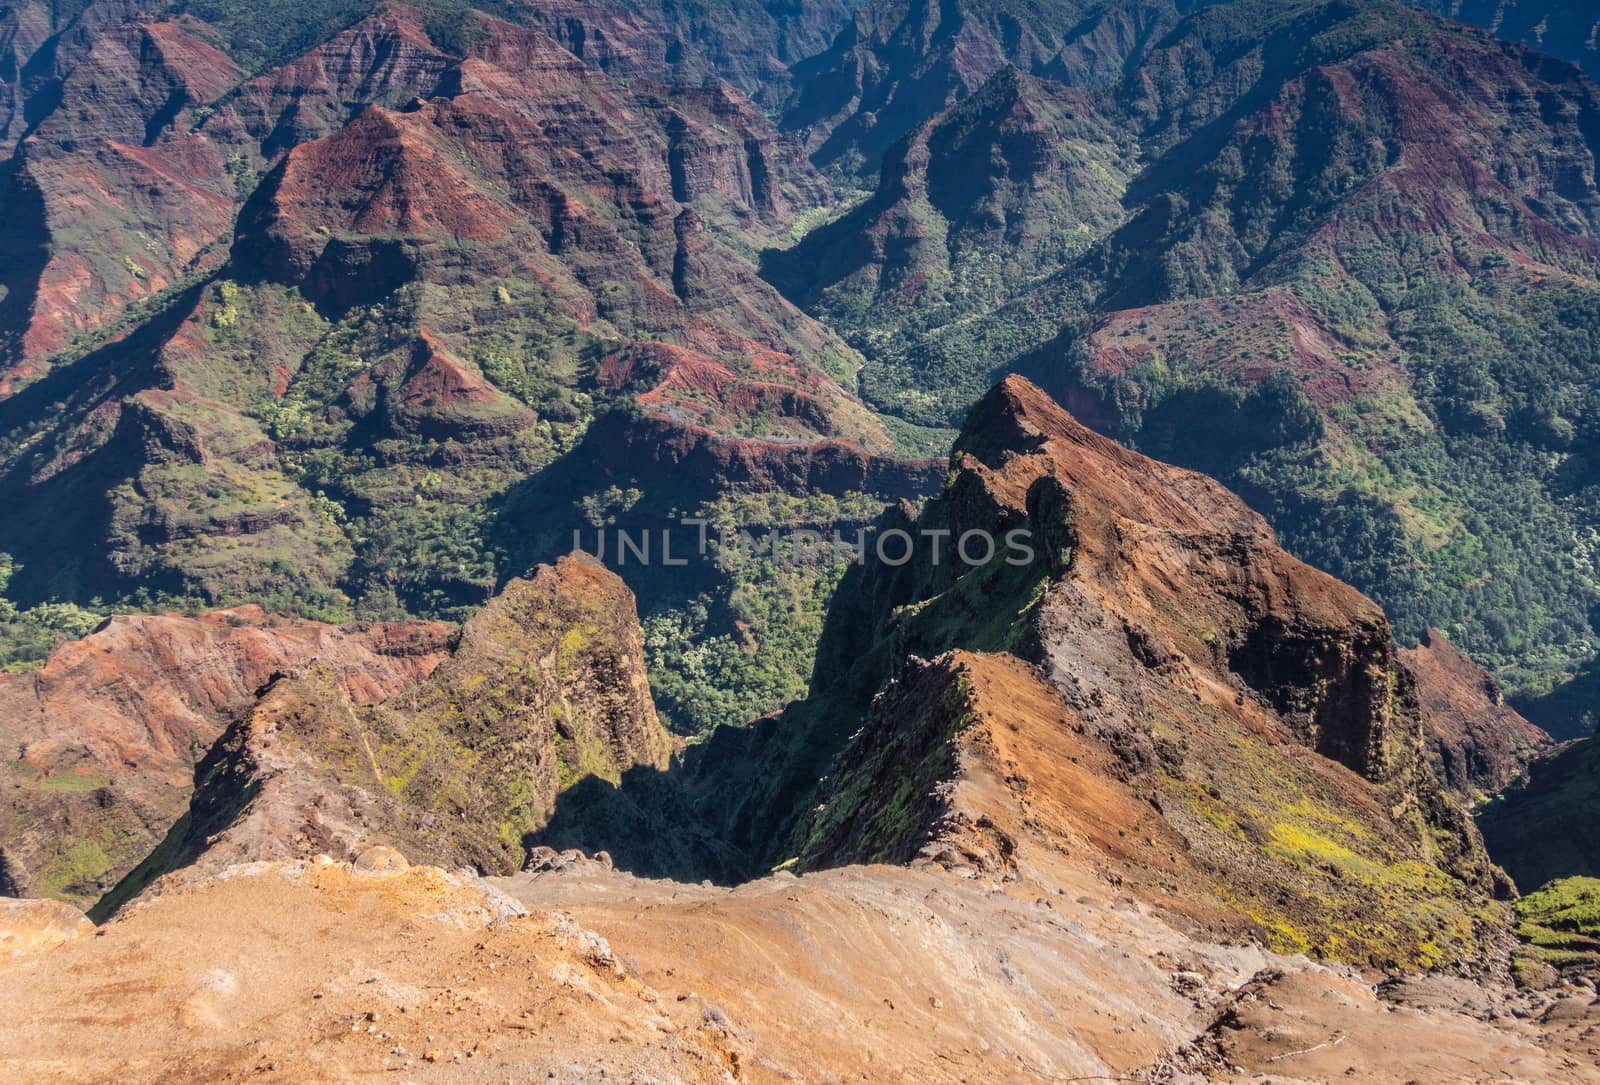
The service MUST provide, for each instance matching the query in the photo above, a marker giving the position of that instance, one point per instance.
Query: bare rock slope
(102, 740)
(1160, 687)
(545, 687)
(316, 970)
(1478, 742)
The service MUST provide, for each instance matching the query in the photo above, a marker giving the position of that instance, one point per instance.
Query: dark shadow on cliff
(738, 803)
(69, 506)
(648, 826)
(730, 809)
(1545, 826)
(26, 241)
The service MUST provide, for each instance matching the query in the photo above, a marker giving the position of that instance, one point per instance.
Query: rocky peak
(545, 687)
(1026, 435)
(135, 79)
(385, 59)
(1259, 705)
(1196, 570)
(107, 733)
(441, 397)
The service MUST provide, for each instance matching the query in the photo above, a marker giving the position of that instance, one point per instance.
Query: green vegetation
(1560, 924)
(262, 33)
(936, 323)
(1450, 473)
(1462, 499)
(745, 647)
(28, 634)
(1413, 407)
(703, 678)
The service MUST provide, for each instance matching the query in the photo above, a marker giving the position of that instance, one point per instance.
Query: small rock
(27, 926)
(542, 860)
(1567, 1009)
(381, 859)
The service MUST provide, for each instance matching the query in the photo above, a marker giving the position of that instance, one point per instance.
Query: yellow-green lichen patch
(1560, 924)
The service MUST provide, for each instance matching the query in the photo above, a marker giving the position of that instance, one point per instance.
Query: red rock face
(1284, 334)
(544, 687)
(386, 59)
(1550, 26)
(150, 108)
(127, 206)
(154, 107)
(1159, 653)
(530, 163)
(441, 381)
(105, 735)
(384, 173)
(440, 398)
(1469, 181)
(750, 47)
(1479, 743)
(718, 395)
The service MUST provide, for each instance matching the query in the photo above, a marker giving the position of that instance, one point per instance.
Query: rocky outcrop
(1076, 654)
(1254, 738)
(386, 59)
(1478, 743)
(28, 926)
(437, 397)
(102, 740)
(1277, 152)
(544, 688)
(972, 763)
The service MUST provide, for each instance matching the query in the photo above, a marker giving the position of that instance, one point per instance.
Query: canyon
(1255, 341)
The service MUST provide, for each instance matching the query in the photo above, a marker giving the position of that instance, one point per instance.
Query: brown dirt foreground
(327, 972)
